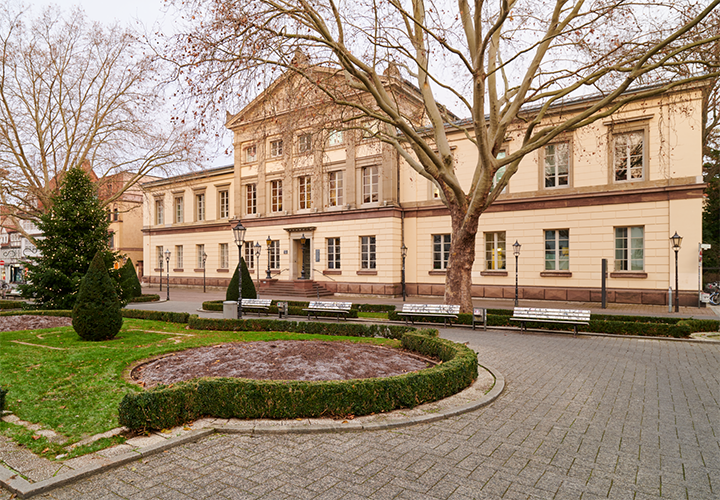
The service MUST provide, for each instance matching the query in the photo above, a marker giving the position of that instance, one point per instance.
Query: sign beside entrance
(2, 262)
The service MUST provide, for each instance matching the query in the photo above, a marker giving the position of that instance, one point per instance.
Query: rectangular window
(224, 256)
(333, 253)
(276, 148)
(159, 212)
(250, 199)
(557, 164)
(304, 143)
(305, 192)
(276, 197)
(336, 188)
(335, 138)
(628, 156)
(441, 251)
(629, 248)
(251, 154)
(369, 184)
(200, 206)
(199, 252)
(179, 256)
(274, 253)
(495, 251)
(224, 209)
(500, 172)
(249, 254)
(557, 250)
(160, 257)
(367, 252)
(179, 210)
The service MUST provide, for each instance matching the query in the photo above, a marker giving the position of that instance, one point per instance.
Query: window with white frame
(159, 212)
(500, 172)
(178, 256)
(276, 196)
(369, 184)
(630, 248)
(200, 206)
(199, 251)
(304, 143)
(441, 251)
(250, 199)
(179, 209)
(160, 257)
(276, 148)
(224, 256)
(335, 138)
(335, 180)
(251, 153)
(333, 253)
(249, 254)
(224, 201)
(274, 253)
(628, 157)
(367, 252)
(495, 251)
(557, 250)
(557, 165)
(305, 192)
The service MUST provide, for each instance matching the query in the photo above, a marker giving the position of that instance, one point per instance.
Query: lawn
(75, 389)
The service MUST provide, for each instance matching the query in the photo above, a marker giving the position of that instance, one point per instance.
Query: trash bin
(230, 309)
(282, 309)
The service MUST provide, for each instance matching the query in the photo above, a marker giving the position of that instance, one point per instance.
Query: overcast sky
(147, 12)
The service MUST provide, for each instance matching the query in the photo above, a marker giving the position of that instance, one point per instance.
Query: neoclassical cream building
(334, 207)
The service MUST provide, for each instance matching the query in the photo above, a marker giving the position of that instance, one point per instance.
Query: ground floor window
(274, 253)
(199, 251)
(333, 253)
(495, 251)
(159, 255)
(178, 256)
(557, 250)
(367, 252)
(441, 251)
(224, 256)
(249, 254)
(629, 248)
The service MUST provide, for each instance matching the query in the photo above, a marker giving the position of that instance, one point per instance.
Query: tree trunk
(458, 280)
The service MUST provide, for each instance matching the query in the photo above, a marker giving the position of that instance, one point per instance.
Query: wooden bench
(338, 308)
(256, 305)
(573, 317)
(445, 311)
(480, 317)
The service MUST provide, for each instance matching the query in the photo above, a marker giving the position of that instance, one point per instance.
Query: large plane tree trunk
(458, 280)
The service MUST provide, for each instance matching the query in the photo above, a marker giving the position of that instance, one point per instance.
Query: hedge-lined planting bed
(146, 297)
(172, 317)
(242, 398)
(38, 312)
(296, 307)
(11, 304)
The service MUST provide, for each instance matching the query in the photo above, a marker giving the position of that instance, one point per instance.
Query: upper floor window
(435, 192)
(305, 192)
(441, 251)
(224, 201)
(367, 252)
(304, 143)
(159, 212)
(276, 196)
(557, 165)
(250, 199)
(557, 250)
(335, 180)
(369, 184)
(179, 209)
(276, 148)
(251, 153)
(200, 206)
(333, 253)
(629, 248)
(335, 138)
(495, 251)
(628, 157)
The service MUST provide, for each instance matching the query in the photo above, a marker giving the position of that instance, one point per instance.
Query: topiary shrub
(129, 282)
(248, 287)
(97, 312)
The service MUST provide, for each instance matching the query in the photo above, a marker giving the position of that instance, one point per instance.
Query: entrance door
(302, 259)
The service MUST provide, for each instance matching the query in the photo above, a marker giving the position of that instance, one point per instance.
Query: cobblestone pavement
(584, 418)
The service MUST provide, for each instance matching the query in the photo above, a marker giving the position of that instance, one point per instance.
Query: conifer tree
(248, 287)
(96, 314)
(129, 283)
(74, 230)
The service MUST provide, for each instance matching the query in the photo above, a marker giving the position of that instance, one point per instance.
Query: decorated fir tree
(248, 287)
(129, 283)
(96, 314)
(75, 228)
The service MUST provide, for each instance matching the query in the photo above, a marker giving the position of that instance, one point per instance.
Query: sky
(148, 12)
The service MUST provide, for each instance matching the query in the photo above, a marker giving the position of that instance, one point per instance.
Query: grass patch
(76, 391)
(374, 315)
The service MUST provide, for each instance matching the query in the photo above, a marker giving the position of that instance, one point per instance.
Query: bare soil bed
(29, 322)
(280, 360)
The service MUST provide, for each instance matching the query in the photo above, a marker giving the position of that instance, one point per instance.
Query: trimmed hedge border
(146, 297)
(38, 312)
(11, 304)
(166, 407)
(171, 317)
(296, 308)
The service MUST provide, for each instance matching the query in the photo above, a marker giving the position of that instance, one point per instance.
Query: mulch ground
(28, 322)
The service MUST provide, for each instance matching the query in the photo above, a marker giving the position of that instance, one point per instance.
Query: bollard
(670, 301)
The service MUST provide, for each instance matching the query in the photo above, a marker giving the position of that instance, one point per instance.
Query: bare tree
(501, 62)
(72, 94)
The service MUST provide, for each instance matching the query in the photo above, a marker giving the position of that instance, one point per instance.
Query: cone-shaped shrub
(96, 315)
(248, 287)
(129, 282)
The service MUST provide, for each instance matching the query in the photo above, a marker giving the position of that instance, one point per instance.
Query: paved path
(585, 418)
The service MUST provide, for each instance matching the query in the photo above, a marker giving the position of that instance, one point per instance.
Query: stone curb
(24, 489)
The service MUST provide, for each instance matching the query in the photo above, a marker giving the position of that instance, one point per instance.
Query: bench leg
(574, 330)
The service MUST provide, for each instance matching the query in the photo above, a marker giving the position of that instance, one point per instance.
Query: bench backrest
(431, 308)
(257, 302)
(551, 314)
(344, 306)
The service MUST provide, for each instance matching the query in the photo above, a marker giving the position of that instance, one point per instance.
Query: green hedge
(172, 317)
(38, 312)
(146, 297)
(166, 407)
(296, 307)
(278, 325)
(11, 304)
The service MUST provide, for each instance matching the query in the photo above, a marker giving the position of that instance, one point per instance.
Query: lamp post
(403, 252)
(161, 269)
(303, 240)
(676, 241)
(167, 282)
(516, 253)
(257, 260)
(204, 257)
(269, 242)
(239, 235)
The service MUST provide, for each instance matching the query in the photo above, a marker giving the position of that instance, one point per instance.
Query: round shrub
(97, 312)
